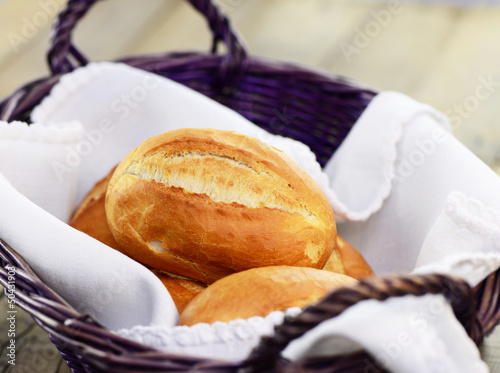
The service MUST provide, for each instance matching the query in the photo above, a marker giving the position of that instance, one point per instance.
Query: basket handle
(64, 57)
(266, 356)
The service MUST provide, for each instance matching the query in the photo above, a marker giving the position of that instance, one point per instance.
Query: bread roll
(351, 262)
(260, 291)
(205, 203)
(182, 290)
(90, 216)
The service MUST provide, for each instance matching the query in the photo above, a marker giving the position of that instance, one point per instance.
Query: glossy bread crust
(260, 291)
(204, 203)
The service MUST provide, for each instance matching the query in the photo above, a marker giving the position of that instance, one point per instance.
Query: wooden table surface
(444, 56)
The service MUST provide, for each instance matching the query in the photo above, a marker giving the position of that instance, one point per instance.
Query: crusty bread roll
(349, 261)
(182, 290)
(90, 216)
(205, 203)
(260, 291)
(334, 263)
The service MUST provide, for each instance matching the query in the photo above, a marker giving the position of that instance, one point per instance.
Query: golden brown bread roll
(349, 261)
(90, 216)
(182, 290)
(205, 203)
(260, 291)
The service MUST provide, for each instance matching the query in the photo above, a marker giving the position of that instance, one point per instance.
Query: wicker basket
(324, 108)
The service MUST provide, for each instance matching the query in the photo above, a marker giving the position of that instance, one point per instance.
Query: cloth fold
(424, 336)
(92, 277)
(29, 159)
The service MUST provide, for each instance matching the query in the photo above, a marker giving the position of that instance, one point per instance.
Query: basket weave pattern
(315, 108)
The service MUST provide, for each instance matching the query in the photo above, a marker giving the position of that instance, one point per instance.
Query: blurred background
(445, 53)
(442, 52)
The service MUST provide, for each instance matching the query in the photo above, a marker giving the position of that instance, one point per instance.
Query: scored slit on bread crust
(193, 172)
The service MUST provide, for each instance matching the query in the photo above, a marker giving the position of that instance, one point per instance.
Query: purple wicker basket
(323, 107)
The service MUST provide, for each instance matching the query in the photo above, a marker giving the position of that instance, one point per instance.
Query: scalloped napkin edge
(231, 340)
(66, 133)
(362, 170)
(472, 230)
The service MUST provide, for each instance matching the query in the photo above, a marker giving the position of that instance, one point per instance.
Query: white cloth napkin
(89, 275)
(27, 154)
(389, 202)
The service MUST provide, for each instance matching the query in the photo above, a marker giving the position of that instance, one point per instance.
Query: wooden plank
(34, 352)
(113, 29)
(183, 28)
(457, 83)
(490, 350)
(24, 23)
(386, 52)
(102, 35)
(27, 67)
(294, 30)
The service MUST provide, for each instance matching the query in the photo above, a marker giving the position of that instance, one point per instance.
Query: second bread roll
(260, 291)
(205, 203)
(347, 260)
